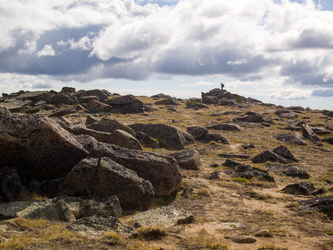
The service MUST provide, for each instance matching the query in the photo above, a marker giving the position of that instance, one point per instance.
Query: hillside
(234, 194)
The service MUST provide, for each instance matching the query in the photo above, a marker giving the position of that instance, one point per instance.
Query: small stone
(263, 233)
(241, 239)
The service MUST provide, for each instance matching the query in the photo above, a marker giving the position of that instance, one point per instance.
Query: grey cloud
(306, 73)
(323, 93)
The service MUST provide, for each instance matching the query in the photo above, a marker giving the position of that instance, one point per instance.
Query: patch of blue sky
(159, 2)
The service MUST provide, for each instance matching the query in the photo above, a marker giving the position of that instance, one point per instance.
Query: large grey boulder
(249, 172)
(95, 106)
(280, 154)
(162, 171)
(295, 138)
(323, 205)
(309, 134)
(110, 125)
(303, 188)
(188, 159)
(35, 96)
(126, 104)
(38, 146)
(168, 101)
(104, 177)
(202, 134)
(172, 136)
(14, 105)
(329, 140)
(225, 127)
(126, 140)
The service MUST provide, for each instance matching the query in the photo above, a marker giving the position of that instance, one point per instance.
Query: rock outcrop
(172, 136)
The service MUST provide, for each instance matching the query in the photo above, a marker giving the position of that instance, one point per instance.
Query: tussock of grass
(241, 180)
(151, 232)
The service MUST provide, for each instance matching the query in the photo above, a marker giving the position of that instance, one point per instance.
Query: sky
(277, 51)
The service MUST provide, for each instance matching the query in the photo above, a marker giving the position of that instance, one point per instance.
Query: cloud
(323, 93)
(70, 40)
(46, 51)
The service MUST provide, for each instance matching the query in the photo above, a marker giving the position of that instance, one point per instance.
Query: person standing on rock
(222, 86)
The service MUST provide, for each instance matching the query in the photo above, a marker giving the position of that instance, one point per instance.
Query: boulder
(62, 112)
(188, 159)
(110, 125)
(168, 101)
(293, 171)
(323, 205)
(99, 224)
(309, 134)
(231, 163)
(80, 129)
(255, 118)
(289, 115)
(289, 170)
(63, 99)
(285, 153)
(126, 104)
(166, 217)
(14, 105)
(225, 127)
(125, 140)
(249, 172)
(96, 107)
(91, 119)
(162, 171)
(87, 99)
(68, 90)
(11, 185)
(295, 138)
(328, 140)
(146, 140)
(303, 188)
(197, 106)
(100, 94)
(201, 134)
(38, 146)
(172, 136)
(57, 210)
(35, 96)
(280, 154)
(104, 177)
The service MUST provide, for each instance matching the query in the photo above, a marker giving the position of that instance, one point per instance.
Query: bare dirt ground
(226, 207)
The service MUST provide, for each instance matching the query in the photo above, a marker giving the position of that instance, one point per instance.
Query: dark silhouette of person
(222, 86)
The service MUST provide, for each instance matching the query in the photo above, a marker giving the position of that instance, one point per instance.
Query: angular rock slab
(323, 205)
(173, 136)
(104, 177)
(162, 171)
(167, 216)
(99, 224)
(38, 146)
(295, 138)
(188, 159)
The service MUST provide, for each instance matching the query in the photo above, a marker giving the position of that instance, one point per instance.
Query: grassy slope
(255, 204)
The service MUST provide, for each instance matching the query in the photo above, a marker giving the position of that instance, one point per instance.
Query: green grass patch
(241, 180)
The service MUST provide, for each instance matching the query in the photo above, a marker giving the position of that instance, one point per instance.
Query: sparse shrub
(152, 232)
(239, 99)
(190, 102)
(329, 232)
(242, 180)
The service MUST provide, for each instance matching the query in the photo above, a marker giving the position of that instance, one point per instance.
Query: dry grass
(252, 203)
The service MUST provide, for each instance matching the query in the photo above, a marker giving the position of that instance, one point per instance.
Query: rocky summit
(88, 169)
